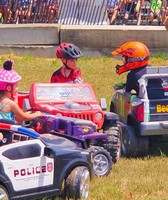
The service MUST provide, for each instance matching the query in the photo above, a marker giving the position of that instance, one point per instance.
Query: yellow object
(85, 129)
(137, 7)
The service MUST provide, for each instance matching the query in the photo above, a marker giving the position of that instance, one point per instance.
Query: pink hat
(8, 75)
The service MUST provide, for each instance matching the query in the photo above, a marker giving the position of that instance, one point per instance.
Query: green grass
(140, 179)
(130, 179)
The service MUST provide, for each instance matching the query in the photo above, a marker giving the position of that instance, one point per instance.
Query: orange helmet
(136, 55)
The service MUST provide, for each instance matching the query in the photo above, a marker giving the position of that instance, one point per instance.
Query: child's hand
(38, 113)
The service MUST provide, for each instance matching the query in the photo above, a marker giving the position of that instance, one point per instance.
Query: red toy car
(76, 101)
(71, 100)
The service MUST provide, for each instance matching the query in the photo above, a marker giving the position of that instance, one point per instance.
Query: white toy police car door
(25, 164)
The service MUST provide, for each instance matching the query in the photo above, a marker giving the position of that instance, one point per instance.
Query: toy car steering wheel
(32, 123)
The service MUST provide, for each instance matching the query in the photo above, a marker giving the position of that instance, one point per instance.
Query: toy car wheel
(114, 142)
(129, 142)
(4, 193)
(102, 161)
(77, 184)
(132, 145)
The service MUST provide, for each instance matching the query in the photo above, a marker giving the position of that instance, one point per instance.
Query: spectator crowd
(28, 11)
(140, 12)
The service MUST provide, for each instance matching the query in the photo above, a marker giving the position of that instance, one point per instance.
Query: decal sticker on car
(161, 108)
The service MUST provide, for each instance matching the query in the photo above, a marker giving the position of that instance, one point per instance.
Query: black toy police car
(34, 166)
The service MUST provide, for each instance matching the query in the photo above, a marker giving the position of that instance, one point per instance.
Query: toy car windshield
(62, 92)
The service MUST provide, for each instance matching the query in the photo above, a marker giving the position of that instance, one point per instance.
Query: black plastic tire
(114, 142)
(4, 193)
(132, 145)
(143, 145)
(77, 184)
(102, 161)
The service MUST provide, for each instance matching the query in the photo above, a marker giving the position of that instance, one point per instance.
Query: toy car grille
(81, 116)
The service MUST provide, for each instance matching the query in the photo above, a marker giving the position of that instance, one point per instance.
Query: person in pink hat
(9, 109)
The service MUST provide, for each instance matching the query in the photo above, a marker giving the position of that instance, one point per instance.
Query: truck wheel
(114, 143)
(143, 146)
(132, 145)
(77, 184)
(102, 162)
(129, 142)
(4, 193)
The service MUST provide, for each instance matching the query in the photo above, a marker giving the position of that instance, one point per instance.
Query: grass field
(130, 179)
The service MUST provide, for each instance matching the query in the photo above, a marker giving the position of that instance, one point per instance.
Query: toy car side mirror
(49, 152)
(103, 104)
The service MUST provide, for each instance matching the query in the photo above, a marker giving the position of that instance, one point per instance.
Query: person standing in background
(68, 72)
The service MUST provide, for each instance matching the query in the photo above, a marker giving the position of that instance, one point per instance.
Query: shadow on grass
(159, 149)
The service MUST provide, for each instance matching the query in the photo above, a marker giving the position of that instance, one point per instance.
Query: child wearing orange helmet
(69, 72)
(136, 58)
(9, 109)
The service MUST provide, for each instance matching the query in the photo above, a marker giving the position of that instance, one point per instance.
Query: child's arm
(23, 116)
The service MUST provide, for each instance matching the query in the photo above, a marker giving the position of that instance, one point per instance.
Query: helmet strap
(9, 88)
(66, 66)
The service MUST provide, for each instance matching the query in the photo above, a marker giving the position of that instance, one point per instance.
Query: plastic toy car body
(144, 118)
(71, 100)
(34, 166)
(76, 112)
(83, 133)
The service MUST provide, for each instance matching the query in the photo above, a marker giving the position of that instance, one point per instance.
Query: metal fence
(99, 12)
(82, 11)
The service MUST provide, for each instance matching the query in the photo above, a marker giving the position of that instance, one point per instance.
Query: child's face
(15, 89)
(71, 63)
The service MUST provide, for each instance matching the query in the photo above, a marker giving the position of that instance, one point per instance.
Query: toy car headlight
(58, 115)
(98, 116)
